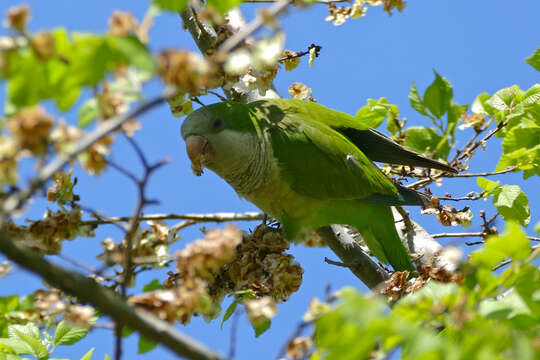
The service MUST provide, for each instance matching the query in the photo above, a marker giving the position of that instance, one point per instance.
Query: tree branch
(16, 200)
(352, 255)
(216, 217)
(106, 301)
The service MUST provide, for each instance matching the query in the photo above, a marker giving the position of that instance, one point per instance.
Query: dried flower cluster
(52, 302)
(62, 190)
(449, 216)
(227, 262)
(477, 121)
(30, 129)
(18, 17)
(5, 268)
(48, 234)
(150, 243)
(262, 266)
(401, 283)
(122, 23)
(316, 308)
(339, 14)
(187, 291)
(299, 348)
(188, 71)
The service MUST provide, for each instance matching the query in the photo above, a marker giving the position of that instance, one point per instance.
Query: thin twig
(463, 198)
(460, 155)
(121, 170)
(336, 263)
(534, 254)
(471, 234)
(198, 218)
(492, 173)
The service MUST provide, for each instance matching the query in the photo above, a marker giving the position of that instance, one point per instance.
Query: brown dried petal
(299, 347)
(43, 46)
(122, 23)
(30, 129)
(17, 17)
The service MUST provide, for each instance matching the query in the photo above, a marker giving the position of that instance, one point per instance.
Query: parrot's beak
(200, 153)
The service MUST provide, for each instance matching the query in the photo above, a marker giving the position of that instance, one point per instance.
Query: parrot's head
(220, 137)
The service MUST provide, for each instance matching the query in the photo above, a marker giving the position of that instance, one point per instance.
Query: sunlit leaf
(534, 60)
(68, 335)
(375, 112)
(438, 96)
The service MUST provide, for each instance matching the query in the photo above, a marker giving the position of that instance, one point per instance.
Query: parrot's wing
(375, 145)
(319, 162)
(379, 147)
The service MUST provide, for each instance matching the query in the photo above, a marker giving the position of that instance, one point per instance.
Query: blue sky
(480, 46)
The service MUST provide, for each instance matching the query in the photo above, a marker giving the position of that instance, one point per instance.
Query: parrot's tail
(383, 240)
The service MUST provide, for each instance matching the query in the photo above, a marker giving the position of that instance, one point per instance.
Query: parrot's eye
(218, 124)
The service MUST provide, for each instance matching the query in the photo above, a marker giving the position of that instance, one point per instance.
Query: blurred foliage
(495, 316)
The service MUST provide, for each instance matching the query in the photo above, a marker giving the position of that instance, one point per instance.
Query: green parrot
(308, 166)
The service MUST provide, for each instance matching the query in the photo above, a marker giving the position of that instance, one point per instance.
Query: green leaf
(480, 105)
(88, 112)
(88, 355)
(453, 116)
(171, 5)
(146, 345)
(29, 329)
(537, 227)
(534, 60)
(487, 185)
(438, 96)
(153, 285)
(415, 100)
(230, 310)
(67, 335)
(505, 98)
(375, 112)
(512, 243)
(135, 52)
(262, 327)
(26, 303)
(532, 95)
(8, 303)
(512, 204)
(85, 61)
(521, 148)
(126, 332)
(17, 345)
(224, 5)
(506, 307)
(38, 349)
(4, 356)
(426, 140)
